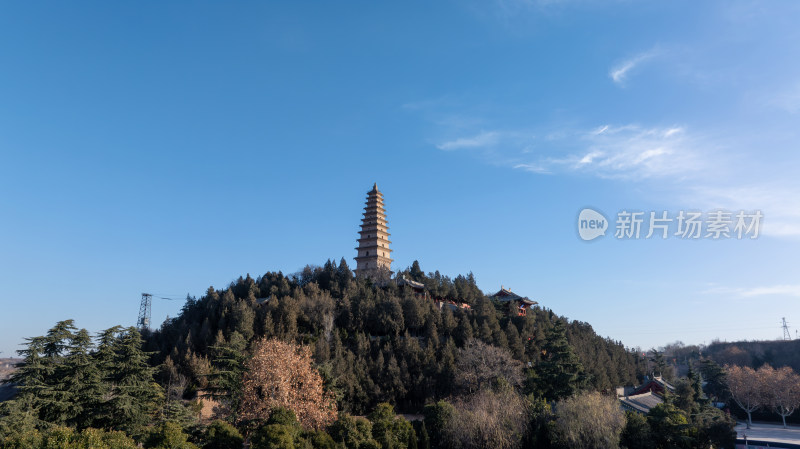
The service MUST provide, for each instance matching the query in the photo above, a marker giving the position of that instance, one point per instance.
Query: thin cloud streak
(628, 152)
(792, 290)
(619, 73)
(480, 140)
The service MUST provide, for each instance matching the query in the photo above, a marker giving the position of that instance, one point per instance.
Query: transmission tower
(786, 334)
(144, 311)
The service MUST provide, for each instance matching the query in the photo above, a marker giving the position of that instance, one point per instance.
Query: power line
(146, 305)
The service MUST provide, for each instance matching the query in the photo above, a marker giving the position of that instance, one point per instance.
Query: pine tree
(225, 381)
(21, 414)
(134, 395)
(559, 373)
(82, 381)
(415, 272)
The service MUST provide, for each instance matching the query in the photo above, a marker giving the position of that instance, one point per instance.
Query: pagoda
(374, 254)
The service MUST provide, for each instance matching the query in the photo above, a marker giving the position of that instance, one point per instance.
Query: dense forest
(323, 359)
(377, 344)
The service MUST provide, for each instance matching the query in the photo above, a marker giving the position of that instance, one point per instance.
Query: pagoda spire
(373, 242)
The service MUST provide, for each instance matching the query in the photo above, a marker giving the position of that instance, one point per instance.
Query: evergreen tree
(415, 272)
(134, 394)
(559, 373)
(30, 379)
(714, 375)
(82, 381)
(228, 362)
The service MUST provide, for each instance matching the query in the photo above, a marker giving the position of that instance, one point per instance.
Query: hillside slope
(374, 344)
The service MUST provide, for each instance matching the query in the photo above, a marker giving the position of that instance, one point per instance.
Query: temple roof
(641, 403)
(411, 283)
(507, 295)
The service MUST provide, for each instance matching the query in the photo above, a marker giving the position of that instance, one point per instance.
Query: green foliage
(320, 440)
(375, 343)
(168, 435)
(684, 397)
(65, 380)
(353, 432)
(222, 435)
(715, 428)
(282, 430)
(559, 374)
(392, 432)
(134, 395)
(283, 416)
(67, 438)
(669, 427)
(274, 436)
(225, 380)
(713, 374)
(437, 416)
(636, 434)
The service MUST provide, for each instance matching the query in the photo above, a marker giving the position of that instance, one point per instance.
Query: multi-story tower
(373, 243)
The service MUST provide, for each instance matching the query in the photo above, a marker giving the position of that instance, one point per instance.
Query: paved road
(769, 432)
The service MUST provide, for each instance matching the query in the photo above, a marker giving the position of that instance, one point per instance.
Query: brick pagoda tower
(373, 243)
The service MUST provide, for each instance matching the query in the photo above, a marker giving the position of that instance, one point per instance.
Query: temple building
(373, 243)
(523, 303)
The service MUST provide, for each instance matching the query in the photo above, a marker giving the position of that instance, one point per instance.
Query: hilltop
(376, 341)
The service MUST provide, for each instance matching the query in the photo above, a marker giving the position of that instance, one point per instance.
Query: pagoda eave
(380, 258)
(382, 248)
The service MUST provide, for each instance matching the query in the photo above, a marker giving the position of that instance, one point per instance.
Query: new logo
(591, 224)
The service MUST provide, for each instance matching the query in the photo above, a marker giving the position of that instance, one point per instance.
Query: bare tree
(782, 390)
(480, 365)
(496, 419)
(747, 389)
(589, 421)
(283, 375)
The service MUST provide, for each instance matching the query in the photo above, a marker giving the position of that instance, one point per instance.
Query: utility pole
(786, 334)
(144, 311)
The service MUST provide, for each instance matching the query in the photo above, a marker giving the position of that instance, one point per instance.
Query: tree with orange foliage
(282, 374)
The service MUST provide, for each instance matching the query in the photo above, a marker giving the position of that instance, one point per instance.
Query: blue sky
(167, 146)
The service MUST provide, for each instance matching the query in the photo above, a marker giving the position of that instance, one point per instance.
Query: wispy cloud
(481, 140)
(632, 151)
(792, 290)
(619, 73)
(779, 202)
(691, 168)
(628, 151)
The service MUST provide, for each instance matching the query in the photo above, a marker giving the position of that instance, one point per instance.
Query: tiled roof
(507, 295)
(641, 403)
(660, 380)
(411, 283)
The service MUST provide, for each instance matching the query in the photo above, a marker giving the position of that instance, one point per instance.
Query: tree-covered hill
(373, 343)
(756, 353)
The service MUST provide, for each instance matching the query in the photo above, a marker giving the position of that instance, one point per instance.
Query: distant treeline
(754, 354)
